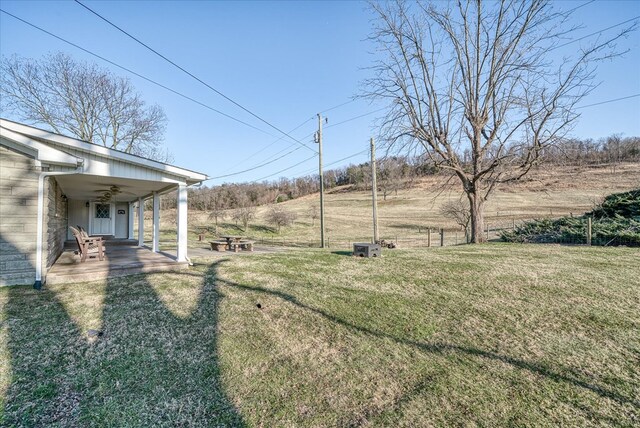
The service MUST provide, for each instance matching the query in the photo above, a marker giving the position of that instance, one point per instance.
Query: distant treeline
(393, 174)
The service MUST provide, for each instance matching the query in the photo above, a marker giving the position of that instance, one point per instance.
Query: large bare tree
(482, 79)
(82, 100)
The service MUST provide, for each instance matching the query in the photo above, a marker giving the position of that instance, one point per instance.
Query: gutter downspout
(40, 218)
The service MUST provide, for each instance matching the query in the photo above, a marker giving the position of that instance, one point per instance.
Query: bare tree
(217, 211)
(479, 77)
(314, 213)
(279, 217)
(244, 215)
(82, 100)
(459, 212)
(390, 175)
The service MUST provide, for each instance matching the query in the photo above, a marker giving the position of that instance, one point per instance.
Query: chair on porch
(84, 233)
(88, 246)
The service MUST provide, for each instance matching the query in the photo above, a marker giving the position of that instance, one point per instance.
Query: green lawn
(491, 335)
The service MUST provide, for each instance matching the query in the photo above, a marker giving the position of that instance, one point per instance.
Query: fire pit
(363, 249)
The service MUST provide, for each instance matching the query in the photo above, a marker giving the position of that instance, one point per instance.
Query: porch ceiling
(91, 187)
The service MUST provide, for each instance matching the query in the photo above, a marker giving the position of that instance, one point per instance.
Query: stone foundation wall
(55, 220)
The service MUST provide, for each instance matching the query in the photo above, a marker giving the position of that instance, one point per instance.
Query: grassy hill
(544, 193)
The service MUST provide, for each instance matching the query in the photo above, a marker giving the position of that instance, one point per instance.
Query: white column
(140, 222)
(39, 231)
(156, 222)
(131, 220)
(182, 222)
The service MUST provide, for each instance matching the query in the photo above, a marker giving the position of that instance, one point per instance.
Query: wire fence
(511, 229)
(424, 239)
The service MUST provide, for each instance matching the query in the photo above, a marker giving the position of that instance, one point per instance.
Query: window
(103, 211)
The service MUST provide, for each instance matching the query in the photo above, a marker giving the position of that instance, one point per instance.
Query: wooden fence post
(589, 231)
(429, 237)
(442, 237)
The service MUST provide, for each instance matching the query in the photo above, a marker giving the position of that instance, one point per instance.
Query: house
(49, 182)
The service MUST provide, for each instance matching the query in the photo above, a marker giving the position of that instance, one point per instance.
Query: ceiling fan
(109, 193)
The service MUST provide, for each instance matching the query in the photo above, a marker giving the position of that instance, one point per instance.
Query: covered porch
(100, 189)
(114, 207)
(122, 257)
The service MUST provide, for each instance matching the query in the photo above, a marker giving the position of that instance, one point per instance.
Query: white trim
(140, 222)
(41, 152)
(40, 222)
(112, 213)
(181, 210)
(156, 223)
(29, 131)
(130, 221)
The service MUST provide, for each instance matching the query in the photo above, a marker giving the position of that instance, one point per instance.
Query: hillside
(544, 193)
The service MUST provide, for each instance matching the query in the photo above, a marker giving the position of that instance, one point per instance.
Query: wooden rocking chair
(88, 246)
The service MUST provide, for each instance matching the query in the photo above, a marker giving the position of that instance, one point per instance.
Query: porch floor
(122, 257)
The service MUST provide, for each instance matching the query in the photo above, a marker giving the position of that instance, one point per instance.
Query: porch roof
(93, 168)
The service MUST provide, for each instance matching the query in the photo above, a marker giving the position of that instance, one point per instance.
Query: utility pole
(374, 191)
(319, 141)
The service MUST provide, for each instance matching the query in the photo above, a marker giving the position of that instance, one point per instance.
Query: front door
(101, 219)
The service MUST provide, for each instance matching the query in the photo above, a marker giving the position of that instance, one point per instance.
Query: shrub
(615, 222)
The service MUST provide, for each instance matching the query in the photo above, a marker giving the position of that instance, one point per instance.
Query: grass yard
(491, 335)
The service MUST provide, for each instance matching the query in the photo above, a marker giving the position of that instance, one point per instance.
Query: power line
(609, 101)
(348, 157)
(192, 75)
(357, 117)
(135, 73)
(255, 167)
(578, 7)
(338, 106)
(283, 170)
(269, 145)
(277, 153)
(299, 126)
(364, 151)
(307, 172)
(174, 92)
(596, 32)
(280, 138)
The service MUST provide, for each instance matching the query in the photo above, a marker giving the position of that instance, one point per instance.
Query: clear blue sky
(285, 61)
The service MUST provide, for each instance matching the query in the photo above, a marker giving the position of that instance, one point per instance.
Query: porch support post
(182, 222)
(39, 231)
(130, 223)
(140, 222)
(156, 222)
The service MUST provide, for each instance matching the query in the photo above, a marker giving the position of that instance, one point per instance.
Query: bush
(278, 217)
(615, 222)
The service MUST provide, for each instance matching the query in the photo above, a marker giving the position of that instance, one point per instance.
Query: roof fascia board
(164, 190)
(38, 150)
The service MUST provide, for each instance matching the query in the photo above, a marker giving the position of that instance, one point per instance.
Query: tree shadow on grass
(262, 228)
(343, 253)
(442, 348)
(151, 366)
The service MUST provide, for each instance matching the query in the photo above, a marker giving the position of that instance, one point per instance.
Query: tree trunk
(476, 204)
